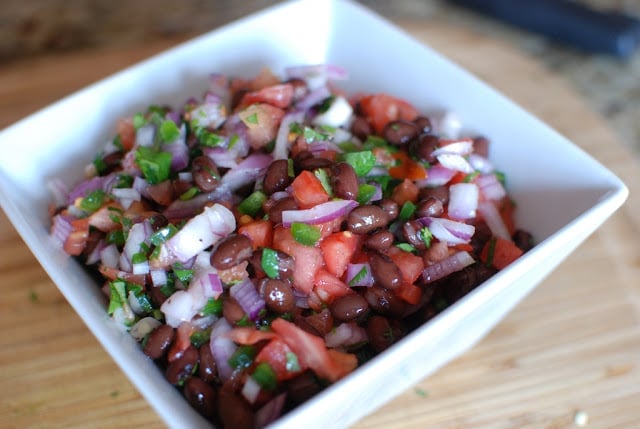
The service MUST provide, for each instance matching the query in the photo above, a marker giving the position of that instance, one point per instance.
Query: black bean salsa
(263, 240)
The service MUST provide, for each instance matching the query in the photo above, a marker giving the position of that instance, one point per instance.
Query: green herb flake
(421, 392)
(242, 357)
(209, 139)
(139, 257)
(291, 172)
(265, 376)
(99, 164)
(270, 263)
(502, 178)
(252, 119)
(124, 181)
(33, 296)
(198, 338)
(322, 175)
(427, 236)
(155, 165)
(190, 193)
(213, 307)
(305, 234)
(117, 142)
(292, 364)
(116, 237)
(491, 250)
(362, 161)
(407, 210)
(93, 201)
(168, 131)
(252, 204)
(311, 135)
(470, 177)
(118, 289)
(183, 274)
(406, 247)
(139, 121)
(365, 193)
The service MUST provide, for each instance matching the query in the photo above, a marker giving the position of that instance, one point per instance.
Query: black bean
(400, 132)
(384, 301)
(207, 369)
(178, 370)
(390, 207)
(423, 123)
(234, 249)
(411, 231)
(275, 211)
(383, 332)
(278, 296)
(385, 272)
(201, 396)
(523, 239)
(158, 221)
(234, 410)
(379, 240)
(313, 163)
(302, 387)
(349, 307)
(481, 146)
(361, 128)
(364, 219)
(430, 206)
(424, 146)
(156, 295)
(344, 181)
(277, 177)
(205, 173)
(159, 341)
(321, 322)
(439, 192)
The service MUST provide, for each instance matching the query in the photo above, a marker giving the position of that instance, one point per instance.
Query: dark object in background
(568, 22)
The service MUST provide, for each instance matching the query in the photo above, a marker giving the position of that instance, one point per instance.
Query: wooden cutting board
(569, 353)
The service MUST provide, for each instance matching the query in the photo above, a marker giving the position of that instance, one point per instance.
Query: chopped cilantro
(169, 131)
(99, 164)
(183, 274)
(242, 357)
(213, 307)
(427, 236)
(155, 165)
(406, 247)
(162, 235)
(138, 258)
(292, 364)
(124, 181)
(118, 295)
(407, 210)
(311, 135)
(322, 175)
(116, 237)
(252, 204)
(362, 161)
(209, 139)
(359, 276)
(469, 177)
(190, 193)
(270, 263)
(365, 192)
(198, 338)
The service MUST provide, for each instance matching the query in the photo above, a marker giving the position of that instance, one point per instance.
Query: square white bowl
(562, 194)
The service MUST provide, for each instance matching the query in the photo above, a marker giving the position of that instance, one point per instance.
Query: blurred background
(609, 83)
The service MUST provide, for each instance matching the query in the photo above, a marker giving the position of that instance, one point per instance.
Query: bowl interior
(562, 194)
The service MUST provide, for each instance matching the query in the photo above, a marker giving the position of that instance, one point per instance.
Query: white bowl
(562, 194)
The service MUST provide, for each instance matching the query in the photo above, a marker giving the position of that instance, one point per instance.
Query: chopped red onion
(281, 148)
(481, 164)
(59, 191)
(491, 216)
(222, 348)
(85, 187)
(490, 187)
(455, 162)
(357, 277)
(60, 229)
(178, 308)
(178, 150)
(338, 115)
(449, 265)
(270, 411)
(94, 256)
(201, 231)
(437, 175)
(138, 234)
(211, 114)
(109, 256)
(250, 169)
(126, 196)
(449, 231)
(461, 147)
(321, 213)
(316, 75)
(314, 97)
(345, 334)
(221, 156)
(219, 86)
(463, 201)
(247, 296)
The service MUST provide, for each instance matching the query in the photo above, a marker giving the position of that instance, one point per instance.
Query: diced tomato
(405, 191)
(262, 121)
(308, 191)
(312, 351)
(411, 266)
(407, 168)
(265, 78)
(328, 287)
(337, 251)
(409, 292)
(499, 252)
(279, 356)
(380, 109)
(463, 246)
(77, 239)
(307, 259)
(347, 362)
(248, 335)
(507, 210)
(260, 232)
(127, 133)
(331, 226)
(181, 342)
(114, 273)
(277, 95)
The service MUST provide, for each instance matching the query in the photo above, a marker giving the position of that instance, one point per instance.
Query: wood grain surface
(567, 356)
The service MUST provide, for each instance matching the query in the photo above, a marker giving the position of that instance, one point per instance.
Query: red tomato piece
(407, 168)
(411, 266)
(405, 191)
(277, 95)
(114, 273)
(308, 191)
(328, 287)
(312, 351)
(500, 252)
(307, 259)
(260, 232)
(275, 353)
(337, 251)
(181, 342)
(248, 335)
(262, 121)
(380, 109)
(77, 239)
(127, 133)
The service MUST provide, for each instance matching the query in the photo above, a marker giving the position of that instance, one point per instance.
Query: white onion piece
(338, 115)
(222, 348)
(158, 277)
(143, 327)
(126, 196)
(251, 390)
(345, 334)
(491, 216)
(135, 238)
(200, 232)
(58, 190)
(140, 267)
(449, 231)
(490, 187)
(145, 135)
(178, 308)
(463, 201)
(109, 256)
(455, 162)
(449, 265)
(481, 164)
(314, 97)
(320, 213)
(210, 114)
(446, 124)
(460, 147)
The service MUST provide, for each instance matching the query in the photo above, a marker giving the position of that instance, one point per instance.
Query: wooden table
(568, 354)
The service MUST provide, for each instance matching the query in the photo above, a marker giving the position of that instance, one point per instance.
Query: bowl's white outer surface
(563, 194)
